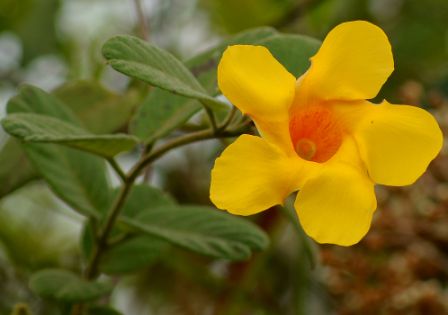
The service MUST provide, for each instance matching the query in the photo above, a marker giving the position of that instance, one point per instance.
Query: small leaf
(132, 254)
(65, 286)
(77, 177)
(100, 110)
(141, 60)
(162, 112)
(34, 100)
(144, 197)
(40, 128)
(102, 310)
(12, 157)
(292, 51)
(204, 230)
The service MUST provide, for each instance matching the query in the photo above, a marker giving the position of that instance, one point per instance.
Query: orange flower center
(315, 133)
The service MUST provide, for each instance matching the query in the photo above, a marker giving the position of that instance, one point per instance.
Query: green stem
(211, 117)
(102, 241)
(228, 119)
(117, 168)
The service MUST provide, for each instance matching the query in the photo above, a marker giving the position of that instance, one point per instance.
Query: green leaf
(144, 197)
(102, 310)
(162, 111)
(139, 250)
(292, 51)
(204, 230)
(39, 128)
(100, 110)
(34, 100)
(78, 178)
(65, 286)
(132, 254)
(141, 60)
(12, 157)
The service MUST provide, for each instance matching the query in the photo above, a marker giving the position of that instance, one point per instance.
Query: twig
(141, 20)
(92, 271)
(228, 119)
(212, 119)
(117, 168)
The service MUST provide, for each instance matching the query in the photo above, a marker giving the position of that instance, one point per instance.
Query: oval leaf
(12, 157)
(100, 110)
(204, 230)
(76, 177)
(292, 51)
(141, 60)
(132, 254)
(39, 128)
(65, 286)
(102, 310)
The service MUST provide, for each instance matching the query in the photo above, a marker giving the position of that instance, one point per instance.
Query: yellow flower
(319, 135)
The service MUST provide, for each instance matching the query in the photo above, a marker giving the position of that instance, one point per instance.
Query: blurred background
(401, 267)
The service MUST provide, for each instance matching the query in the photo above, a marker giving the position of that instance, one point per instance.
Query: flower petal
(397, 142)
(255, 82)
(353, 63)
(253, 175)
(337, 206)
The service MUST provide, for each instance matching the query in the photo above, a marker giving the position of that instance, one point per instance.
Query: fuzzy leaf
(77, 177)
(141, 60)
(65, 286)
(132, 254)
(100, 110)
(204, 230)
(39, 128)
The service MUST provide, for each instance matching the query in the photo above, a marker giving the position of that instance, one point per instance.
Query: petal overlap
(252, 175)
(255, 82)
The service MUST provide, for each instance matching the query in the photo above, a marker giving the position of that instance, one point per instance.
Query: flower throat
(316, 133)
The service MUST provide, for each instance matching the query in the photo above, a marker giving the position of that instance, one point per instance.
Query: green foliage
(236, 15)
(146, 196)
(66, 137)
(162, 111)
(204, 230)
(39, 128)
(139, 252)
(76, 177)
(100, 110)
(65, 286)
(12, 157)
(293, 51)
(141, 60)
(102, 310)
